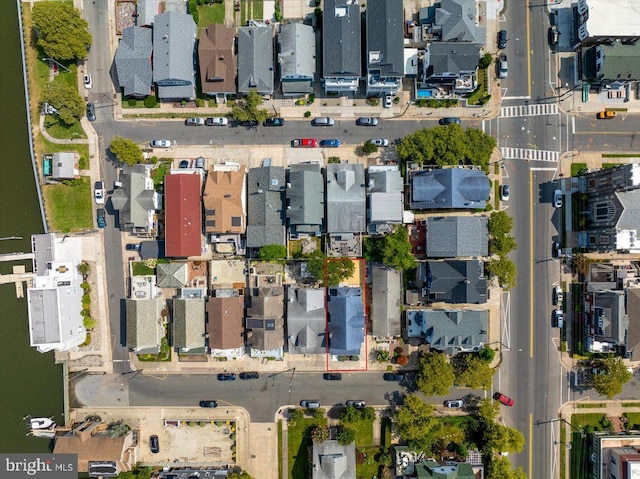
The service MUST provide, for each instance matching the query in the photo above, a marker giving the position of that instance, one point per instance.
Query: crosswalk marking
(528, 154)
(529, 110)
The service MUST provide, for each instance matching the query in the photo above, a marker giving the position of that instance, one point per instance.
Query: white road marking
(529, 110)
(529, 154)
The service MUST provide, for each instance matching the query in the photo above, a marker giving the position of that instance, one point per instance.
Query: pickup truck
(304, 143)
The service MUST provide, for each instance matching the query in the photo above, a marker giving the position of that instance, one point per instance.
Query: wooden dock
(18, 277)
(16, 256)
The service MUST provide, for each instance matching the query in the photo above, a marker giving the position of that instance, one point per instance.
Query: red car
(304, 143)
(507, 401)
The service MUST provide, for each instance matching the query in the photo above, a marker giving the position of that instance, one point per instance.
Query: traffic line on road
(531, 265)
(529, 154)
(541, 109)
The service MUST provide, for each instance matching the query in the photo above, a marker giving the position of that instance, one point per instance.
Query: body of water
(30, 382)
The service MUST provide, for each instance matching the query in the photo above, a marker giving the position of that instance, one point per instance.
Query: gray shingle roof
(440, 188)
(133, 61)
(265, 215)
(458, 21)
(333, 461)
(449, 331)
(297, 57)
(305, 198)
(64, 165)
(457, 236)
(629, 213)
(621, 61)
(385, 31)
(255, 59)
(188, 323)
(146, 10)
(144, 325)
(133, 201)
(456, 281)
(306, 320)
(451, 57)
(386, 198)
(346, 320)
(386, 299)
(346, 201)
(341, 39)
(172, 275)
(174, 37)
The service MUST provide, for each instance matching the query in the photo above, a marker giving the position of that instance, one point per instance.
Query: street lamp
(567, 444)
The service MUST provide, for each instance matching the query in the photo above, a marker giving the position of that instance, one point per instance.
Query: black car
(249, 123)
(332, 377)
(502, 39)
(91, 112)
(132, 247)
(226, 377)
(274, 122)
(556, 249)
(208, 403)
(154, 444)
(249, 375)
(448, 120)
(393, 376)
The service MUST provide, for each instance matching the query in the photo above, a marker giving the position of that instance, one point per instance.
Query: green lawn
(68, 208)
(57, 130)
(258, 10)
(634, 418)
(49, 147)
(364, 432)
(576, 167)
(368, 471)
(140, 269)
(69, 78)
(159, 172)
(208, 14)
(299, 448)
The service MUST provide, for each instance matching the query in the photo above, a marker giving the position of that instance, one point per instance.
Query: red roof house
(183, 215)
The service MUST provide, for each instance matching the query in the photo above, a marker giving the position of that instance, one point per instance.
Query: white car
(379, 141)
(216, 121)
(388, 101)
(558, 296)
(160, 144)
(98, 192)
(557, 199)
(87, 81)
(454, 403)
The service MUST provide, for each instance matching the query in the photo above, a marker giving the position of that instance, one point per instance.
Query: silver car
(160, 144)
(367, 121)
(379, 141)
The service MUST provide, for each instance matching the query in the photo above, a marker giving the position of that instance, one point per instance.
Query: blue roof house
(133, 62)
(346, 321)
(449, 188)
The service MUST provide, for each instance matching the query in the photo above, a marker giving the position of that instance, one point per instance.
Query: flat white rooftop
(619, 18)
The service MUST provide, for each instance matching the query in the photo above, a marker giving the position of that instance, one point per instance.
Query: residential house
(64, 165)
(346, 200)
(172, 275)
(145, 325)
(265, 322)
(449, 331)
(453, 281)
(448, 67)
(174, 37)
(346, 321)
(225, 314)
(410, 464)
(255, 60)
(603, 21)
(265, 221)
(188, 325)
(133, 62)
(146, 11)
(136, 201)
(305, 200)
(331, 460)
(614, 454)
(297, 58)
(183, 215)
(55, 297)
(385, 58)
(306, 321)
(96, 449)
(605, 317)
(218, 62)
(612, 63)
(225, 207)
(458, 21)
(449, 188)
(341, 46)
(386, 301)
(385, 195)
(457, 237)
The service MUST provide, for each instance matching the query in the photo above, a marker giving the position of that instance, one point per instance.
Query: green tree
(118, 429)
(248, 108)
(346, 436)
(393, 250)
(66, 100)
(338, 270)
(382, 355)
(137, 472)
(368, 148)
(83, 268)
(368, 413)
(350, 414)
(488, 410)
(499, 224)
(273, 252)
(481, 145)
(472, 371)
(62, 33)
(435, 374)
(126, 150)
(615, 376)
(500, 468)
(487, 354)
(295, 414)
(499, 438)
(239, 475)
(414, 422)
(503, 269)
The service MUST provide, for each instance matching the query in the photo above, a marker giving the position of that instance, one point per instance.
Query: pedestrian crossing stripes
(527, 154)
(529, 110)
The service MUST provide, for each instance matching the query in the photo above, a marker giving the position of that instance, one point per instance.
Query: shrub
(278, 13)
(396, 100)
(199, 102)
(85, 286)
(307, 114)
(83, 163)
(402, 360)
(354, 358)
(334, 159)
(317, 3)
(295, 414)
(89, 322)
(193, 10)
(233, 448)
(151, 101)
(132, 102)
(369, 148)
(311, 99)
(485, 61)
(85, 312)
(202, 424)
(87, 340)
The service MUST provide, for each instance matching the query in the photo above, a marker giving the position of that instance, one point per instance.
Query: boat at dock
(41, 426)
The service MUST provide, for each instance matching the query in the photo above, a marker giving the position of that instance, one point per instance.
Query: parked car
(606, 115)
(503, 70)
(332, 377)
(132, 247)
(379, 141)
(388, 101)
(558, 318)
(91, 112)
(454, 403)
(249, 375)
(507, 401)
(330, 143)
(160, 144)
(304, 143)
(554, 35)
(98, 192)
(557, 199)
(502, 39)
(504, 192)
(208, 403)
(154, 444)
(322, 121)
(556, 249)
(226, 377)
(88, 83)
(367, 121)
(101, 218)
(216, 121)
(558, 296)
(184, 164)
(249, 123)
(448, 120)
(273, 122)
(358, 404)
(310, 403)
(194, 122)
(393, 376)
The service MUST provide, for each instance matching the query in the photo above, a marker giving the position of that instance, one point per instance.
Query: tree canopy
(472, 371)
(62, 33)
(392, 250)
(615, 376)
(330, 272)
(414, 422)
(500, 468)
(126, 150)
(448, 145)
(435, 374)
(248, 109)
(504, 269)
(66, 100)
(272, 252)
